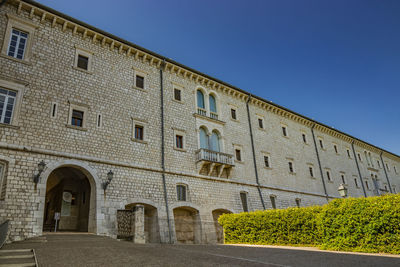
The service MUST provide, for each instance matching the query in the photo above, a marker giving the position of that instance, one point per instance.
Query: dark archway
(68, 192)
(219, 231)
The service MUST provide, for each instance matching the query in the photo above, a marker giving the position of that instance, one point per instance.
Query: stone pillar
(139, 236)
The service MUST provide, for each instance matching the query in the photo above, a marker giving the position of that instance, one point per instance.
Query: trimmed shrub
(355, 224)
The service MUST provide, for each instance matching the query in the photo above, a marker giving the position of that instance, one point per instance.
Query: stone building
(119, 141)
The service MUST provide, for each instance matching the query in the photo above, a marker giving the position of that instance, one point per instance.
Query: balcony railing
(214, 156)
(202, 112)
(214, 115)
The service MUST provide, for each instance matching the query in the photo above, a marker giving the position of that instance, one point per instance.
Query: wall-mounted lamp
(110, 176)
(36, 177)
(342, 190)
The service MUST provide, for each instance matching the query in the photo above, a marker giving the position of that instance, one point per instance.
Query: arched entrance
(69, 192)
(187, 225)
(219, 231)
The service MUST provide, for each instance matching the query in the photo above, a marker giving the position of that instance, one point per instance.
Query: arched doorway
(187, 225)
(69, 193)
(219, 231)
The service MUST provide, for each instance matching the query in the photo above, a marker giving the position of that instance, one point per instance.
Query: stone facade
(50, 86)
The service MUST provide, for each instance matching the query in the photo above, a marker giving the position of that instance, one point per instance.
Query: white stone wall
(108, 90)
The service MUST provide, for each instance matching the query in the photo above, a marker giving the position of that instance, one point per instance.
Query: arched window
(213, 104)
(203, 139)
(214, 142)
(200, 99)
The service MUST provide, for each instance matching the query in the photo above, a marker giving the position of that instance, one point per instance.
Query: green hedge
(355, 224)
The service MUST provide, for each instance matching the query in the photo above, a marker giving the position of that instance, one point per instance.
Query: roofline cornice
(129, 49)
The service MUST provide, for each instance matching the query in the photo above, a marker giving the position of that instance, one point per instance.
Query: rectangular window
(359, 156)
(83, 62)
(181, 192)
(266, 161)
(140, 81)
(54, 110)
(233, 113)
(348, 153)
(77, 118)
(177, 94)
(179, 141)
(328, 175)
(3, 181)
(260, 123)
(321, 144)
(17, 45)
(343, 179)
(311, 171)
(238, 154)
(387, 167)
(395, 170)
(139, 132)
(335, 147)
(367, 185)
(298, 202)
(243, 198)
(284, 131)
(273, 201)
(356, 182)
(99, 120)
(379, 163)
(304, 138)
(7, 103)
(291, 170)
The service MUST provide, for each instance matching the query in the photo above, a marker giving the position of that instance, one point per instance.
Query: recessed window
(335, 148)
(54, 108)
(291, 169)
(304, 138)
(367, 185)
(260, 123)
(273, 201)
(356, 182)
(99, 120)
(233, 114)
(181, 192)
(298, 202)
(139, 82)
(395, 169)
(266, 161)
(359, 157)
(3, 181)
(343, 179)
(77, 118)
(348, 153)
(321, 144)
(179, 141)
(243, 198)
(139, 132)
(7, 103)
(387, 167)
(328, 175)
(311, 170)
(238, 154)
(83, 62)
(177, 94)
(379, 163)
(284, 131)
(17, 45)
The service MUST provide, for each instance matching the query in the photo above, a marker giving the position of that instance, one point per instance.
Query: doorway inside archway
(68, 193)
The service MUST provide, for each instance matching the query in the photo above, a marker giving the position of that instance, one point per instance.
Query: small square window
(83, 62)
(139, 81)
(139, 130)
(238, 155)
(311, 171)
(266, 161)
(260, 123)
(77, 118)
(304, 138)
(179, 141)
(284, 131)
(177, 94)
(181, 192)
(233, 113)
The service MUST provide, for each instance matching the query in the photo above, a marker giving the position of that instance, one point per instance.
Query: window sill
(330, 181)
(267, 168)
(85, 71)
(313, 177)
(177, 101)
(292, 173)
(208, 118)
(180, 149)
(76, 127)
(285, 136)
(23, 61)
(262, 129)
(5, 125)
(235, 120)
(140, 89)
(139, 141)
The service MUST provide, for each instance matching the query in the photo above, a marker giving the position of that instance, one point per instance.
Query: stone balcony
(212, 116)
(213, 163)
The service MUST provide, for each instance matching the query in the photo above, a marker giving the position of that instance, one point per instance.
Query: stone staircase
(18, 258)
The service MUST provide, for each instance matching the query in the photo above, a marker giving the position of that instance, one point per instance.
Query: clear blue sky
(337, 61)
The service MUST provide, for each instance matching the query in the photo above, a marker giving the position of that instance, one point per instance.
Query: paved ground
(91, 250)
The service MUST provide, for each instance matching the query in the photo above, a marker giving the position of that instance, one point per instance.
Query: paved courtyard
(91, 250)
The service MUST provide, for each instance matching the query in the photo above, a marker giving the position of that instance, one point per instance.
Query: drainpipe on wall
(163, 149)
(358, 168)
(254, 153)
(384, 169)
(319, 162)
